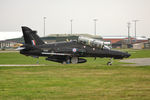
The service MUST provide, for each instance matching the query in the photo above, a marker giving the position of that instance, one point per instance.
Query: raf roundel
(74, 50)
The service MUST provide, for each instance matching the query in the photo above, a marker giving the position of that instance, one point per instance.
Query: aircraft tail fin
(31, 37)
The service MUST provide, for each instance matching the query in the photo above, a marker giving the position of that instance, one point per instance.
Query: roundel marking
(74, 50)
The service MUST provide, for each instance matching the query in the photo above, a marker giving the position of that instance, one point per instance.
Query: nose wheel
(109, 63)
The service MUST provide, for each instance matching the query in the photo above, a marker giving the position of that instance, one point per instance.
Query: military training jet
(67, 52)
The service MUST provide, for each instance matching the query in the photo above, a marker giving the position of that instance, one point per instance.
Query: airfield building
(123, 42)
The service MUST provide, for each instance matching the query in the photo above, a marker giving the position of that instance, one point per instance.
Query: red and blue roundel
(74, 50)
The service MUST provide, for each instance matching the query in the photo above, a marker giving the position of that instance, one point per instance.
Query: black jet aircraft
(67, 52)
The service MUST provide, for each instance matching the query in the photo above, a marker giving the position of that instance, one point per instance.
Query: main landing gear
(72, 60)
(109, 63)
(37, 62)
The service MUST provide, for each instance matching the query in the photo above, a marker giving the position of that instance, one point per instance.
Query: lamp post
(71, 25)
(135, 21)
(44, 19)
(129, 24)
(95, 20)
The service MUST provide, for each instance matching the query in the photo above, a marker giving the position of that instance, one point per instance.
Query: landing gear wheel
(74, 60)
(68, 61)
(110, 62)
(64, 62)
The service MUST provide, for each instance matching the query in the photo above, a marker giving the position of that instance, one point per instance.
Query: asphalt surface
(137, 62)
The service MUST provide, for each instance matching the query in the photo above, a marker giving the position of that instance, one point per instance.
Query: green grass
(89, 81)
(138, 53)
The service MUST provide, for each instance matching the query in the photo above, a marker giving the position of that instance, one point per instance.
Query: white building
(9, 35)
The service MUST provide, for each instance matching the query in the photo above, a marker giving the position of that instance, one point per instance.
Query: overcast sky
(112, 16)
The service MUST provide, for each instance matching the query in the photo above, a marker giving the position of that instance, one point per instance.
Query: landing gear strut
(37, 61)
(66, 61)
(109, 63)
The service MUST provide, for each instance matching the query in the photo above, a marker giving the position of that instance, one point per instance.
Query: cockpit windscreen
(91, 42)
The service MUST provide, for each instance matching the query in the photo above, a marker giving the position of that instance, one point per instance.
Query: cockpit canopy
(91, 42)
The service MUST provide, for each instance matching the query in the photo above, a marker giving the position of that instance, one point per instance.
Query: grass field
(89, 81)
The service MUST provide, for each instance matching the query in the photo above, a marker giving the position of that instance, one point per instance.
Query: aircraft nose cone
(127, 55)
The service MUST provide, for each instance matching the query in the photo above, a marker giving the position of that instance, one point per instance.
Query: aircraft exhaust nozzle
(20, 48)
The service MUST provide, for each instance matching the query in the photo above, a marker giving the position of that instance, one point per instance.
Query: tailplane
(31, 37)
